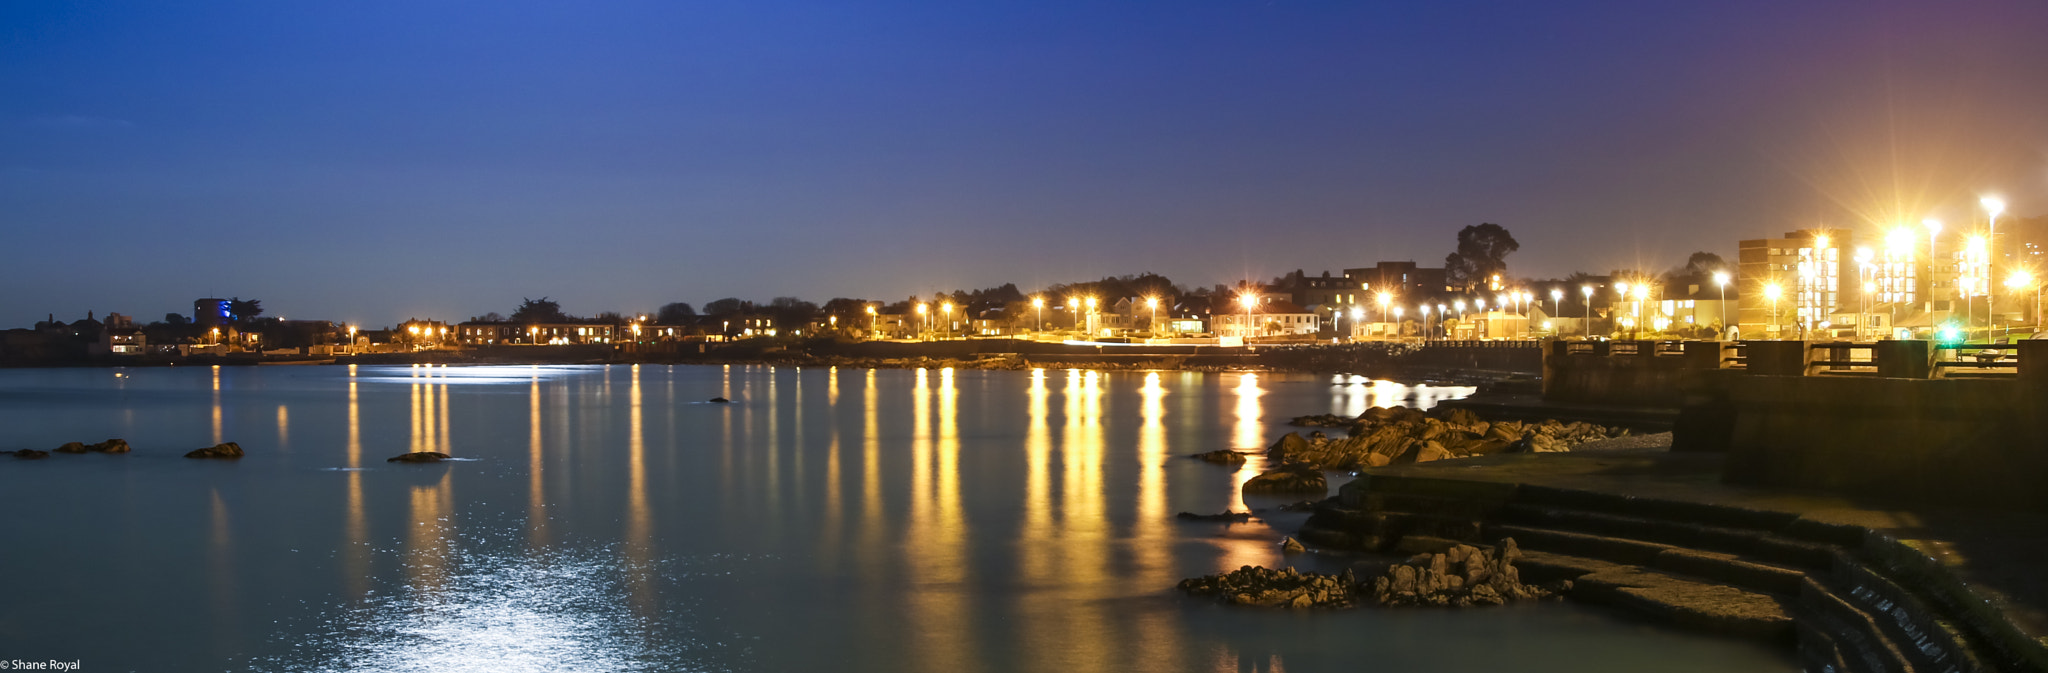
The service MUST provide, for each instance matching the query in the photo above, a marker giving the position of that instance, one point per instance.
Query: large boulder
(72, 447)
(112, 446)
(1283, 588)
(1460, 576)
(1290, 479)
(1221, 457)
(419, 457)
(229, 450)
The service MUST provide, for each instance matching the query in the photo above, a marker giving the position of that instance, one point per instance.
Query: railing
(1836, 358)
(1975, 361)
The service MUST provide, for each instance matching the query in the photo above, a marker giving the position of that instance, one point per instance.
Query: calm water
(605, 519)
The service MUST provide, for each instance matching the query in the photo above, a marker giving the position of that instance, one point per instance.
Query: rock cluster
(1398, 435)
(1462, 576)
(109, 446)
(1283, 588)
(221, 450)
(418, 457)
(29, 454)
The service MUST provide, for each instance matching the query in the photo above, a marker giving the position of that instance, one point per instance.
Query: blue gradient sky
(373, 161)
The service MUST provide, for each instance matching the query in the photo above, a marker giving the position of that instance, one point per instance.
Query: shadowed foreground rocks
(228, 450)
(109, 446)
(29, 454)
(1399, 435)
(1462, 576)
(1289, 479)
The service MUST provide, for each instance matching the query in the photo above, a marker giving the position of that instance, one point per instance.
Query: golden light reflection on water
(429, 537)
(834, 503)
(939, 610)
(355, 565)
(217, 430)
(284, 428)
(220, 554)
(536, 502)
(639, 524)
(1249, 433)
(1151, 538)
(871, 471)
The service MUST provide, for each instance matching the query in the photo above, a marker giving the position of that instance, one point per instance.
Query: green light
(1950, 334)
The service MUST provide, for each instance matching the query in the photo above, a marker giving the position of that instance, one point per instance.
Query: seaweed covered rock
(116, 445)
(1283, 588)
(71, 447)
(1220, 457)
(29, 454)
(1289, 479)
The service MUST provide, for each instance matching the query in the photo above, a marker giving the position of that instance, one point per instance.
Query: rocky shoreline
(1462, 576)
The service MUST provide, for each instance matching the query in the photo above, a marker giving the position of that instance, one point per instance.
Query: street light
(1721, 279)
(1425, 323)
(1038, 303)
(1153, 302)
(2021, 279)
(1386, 298)
(872, 332)
(1642, 295)
(1357, 318)
(923, 317)
(946, 309)
(1091, 317)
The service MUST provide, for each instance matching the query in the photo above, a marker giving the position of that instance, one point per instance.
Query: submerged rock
(1283, 588)
(29, 454)
(71, 447)
(419, 457)
(1227, 516)
(719, 400)
(1220, 457)
(221, 450)
(1289, 479)
(1289, 545)
(116, 445)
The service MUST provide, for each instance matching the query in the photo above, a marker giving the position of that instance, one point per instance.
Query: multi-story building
(1792, 285)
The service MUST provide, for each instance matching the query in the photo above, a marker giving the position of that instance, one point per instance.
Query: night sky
(367, 162)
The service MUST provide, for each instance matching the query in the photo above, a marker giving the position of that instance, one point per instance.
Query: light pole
(1038, 304)
(1994, 206)
(1588, 291)
(946, 310)
(1425, 323)
(1771, 293)
(1247, 300)
(1357, 318)
(1642, 297)
(924, 317)
(1721, 279)
(871, 323)
(1091, 318)
(2021, 279)
(1153, 302)
(1397, 317)
(1933, 228)
(1387, 298)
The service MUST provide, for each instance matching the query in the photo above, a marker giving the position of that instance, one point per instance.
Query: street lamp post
(946, 310)
(1387, 298)
(1038, 304)
(1153, 302)
(872, 333)
(1721, 279)
(1933, 228)
(1425, 323)
(1642, 296)
(1246, 300)
(1771, 293)
(924, 317)
(1588, 291)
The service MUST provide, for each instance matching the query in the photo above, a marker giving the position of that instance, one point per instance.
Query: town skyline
(154, 154)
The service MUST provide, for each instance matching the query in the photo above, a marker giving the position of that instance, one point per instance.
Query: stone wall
(1939, 442)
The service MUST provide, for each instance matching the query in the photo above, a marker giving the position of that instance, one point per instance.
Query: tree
(1482, 254)
(245, 310)
(540, 310)
(726, 306)
(176, 319)
(1702, 265)
(674, 313)
(791, 313)
(488, 317)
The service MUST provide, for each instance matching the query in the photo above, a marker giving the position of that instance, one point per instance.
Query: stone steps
(1760, 545)
(1846, 598)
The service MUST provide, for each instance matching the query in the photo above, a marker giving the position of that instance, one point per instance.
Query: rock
(1290, 545)
(71, 447)
(112, 446)
(1527, 444)
(30, 454)
(1290, 444)
(221, 450)
(1225, 516)
(1320, 421)
(419, 457)
(1290, 479)
(1220, 457)
(720, 400)
(1431, 451)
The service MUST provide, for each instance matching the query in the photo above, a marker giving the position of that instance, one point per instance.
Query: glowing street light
(1153, 302)
(1038, 303)
(924, 317)
(1425, 323)
(2020, 280)
(1588, 291)
(872, 331)
(1933, 229)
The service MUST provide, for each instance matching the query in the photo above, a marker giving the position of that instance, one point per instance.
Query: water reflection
(1248, 434)
(355, 553)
